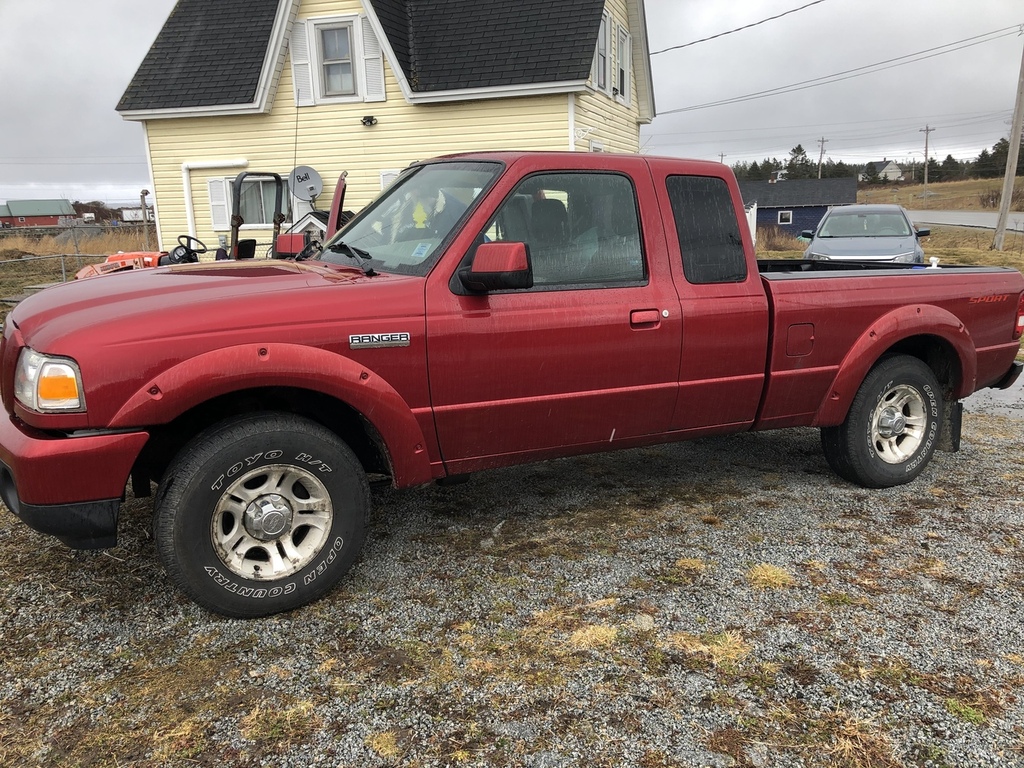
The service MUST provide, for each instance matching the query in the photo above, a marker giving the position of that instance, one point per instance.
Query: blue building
(798, 204)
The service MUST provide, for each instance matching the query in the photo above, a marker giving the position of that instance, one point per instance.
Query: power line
(835, 77)
(738, 29)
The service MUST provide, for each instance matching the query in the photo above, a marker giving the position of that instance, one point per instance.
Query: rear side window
(708, 230)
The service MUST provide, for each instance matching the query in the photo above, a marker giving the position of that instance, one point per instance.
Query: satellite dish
(305, 183)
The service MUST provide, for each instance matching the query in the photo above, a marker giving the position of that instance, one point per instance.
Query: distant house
(36, 213)
(798, 204)
(370, 86)
(883, 169)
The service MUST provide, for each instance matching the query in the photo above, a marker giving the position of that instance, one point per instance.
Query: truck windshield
(865, 225)
(402, 230)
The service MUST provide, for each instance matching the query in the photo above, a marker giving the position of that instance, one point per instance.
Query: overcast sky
(65, 63)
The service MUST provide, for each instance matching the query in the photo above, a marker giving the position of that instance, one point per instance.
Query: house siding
(599, 117)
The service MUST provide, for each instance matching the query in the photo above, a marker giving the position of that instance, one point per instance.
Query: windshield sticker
(421, 250)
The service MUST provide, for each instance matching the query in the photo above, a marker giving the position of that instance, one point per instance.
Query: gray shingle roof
(450, 44)
(207, 54)
(211, 53)
(795, 193)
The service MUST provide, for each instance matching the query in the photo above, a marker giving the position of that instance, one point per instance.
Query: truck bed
(782, 267)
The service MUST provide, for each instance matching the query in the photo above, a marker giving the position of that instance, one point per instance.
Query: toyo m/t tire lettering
(892, 428)
(261, 514)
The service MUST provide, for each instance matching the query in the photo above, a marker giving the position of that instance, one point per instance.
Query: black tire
(892, 428)
(261, 514)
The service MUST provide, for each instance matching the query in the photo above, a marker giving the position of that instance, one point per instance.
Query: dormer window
(601, 74)
(623, 53)
(336, 60)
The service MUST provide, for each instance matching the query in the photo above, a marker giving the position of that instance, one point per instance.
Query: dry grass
(768, 576)
(969, 195)
(125, 239)
(723, 649)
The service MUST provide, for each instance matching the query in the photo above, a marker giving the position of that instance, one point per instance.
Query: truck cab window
(708, 229)
(581, 229)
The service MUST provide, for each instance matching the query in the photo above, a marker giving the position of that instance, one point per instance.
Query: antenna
(305, 184)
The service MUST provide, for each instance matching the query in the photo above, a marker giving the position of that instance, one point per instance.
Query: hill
(968, 195)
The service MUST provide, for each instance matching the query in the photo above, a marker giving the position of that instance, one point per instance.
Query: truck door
(587, 357)
(723, 304)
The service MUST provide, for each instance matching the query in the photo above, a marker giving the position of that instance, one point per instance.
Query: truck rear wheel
(892, 428)
(261, 514)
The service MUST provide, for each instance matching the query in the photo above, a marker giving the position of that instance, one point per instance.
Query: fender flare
(247, 366)
(896, 326)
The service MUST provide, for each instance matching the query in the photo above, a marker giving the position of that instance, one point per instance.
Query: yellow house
(368, 87)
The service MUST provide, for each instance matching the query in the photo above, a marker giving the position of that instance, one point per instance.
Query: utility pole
(145, 216)
(821, 155)
(1011, 163)
(926, 130)
(721, 157)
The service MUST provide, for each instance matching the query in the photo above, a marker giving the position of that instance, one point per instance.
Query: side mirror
(808, 233)
(923, 232)
(498, 267)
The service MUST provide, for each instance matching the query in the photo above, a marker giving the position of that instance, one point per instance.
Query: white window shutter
(373, 62)
(220, 212)
(302, 74)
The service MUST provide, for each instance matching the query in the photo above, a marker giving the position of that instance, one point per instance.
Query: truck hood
(195, 299)
(864, 248)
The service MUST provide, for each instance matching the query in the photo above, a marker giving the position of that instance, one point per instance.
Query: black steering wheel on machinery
(186, 252)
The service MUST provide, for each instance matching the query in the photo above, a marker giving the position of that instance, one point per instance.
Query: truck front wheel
(261, 514)
(892, 428)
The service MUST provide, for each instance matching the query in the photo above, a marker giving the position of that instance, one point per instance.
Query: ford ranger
(486, 310)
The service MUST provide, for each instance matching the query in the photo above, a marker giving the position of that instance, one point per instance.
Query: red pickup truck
(486, 310)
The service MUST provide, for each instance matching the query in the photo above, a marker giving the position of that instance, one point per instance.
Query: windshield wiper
(353, 253)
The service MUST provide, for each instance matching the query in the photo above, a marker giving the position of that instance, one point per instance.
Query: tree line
(987, 165)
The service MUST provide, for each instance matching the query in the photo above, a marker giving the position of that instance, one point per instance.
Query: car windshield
(403, 229)
(864, 224)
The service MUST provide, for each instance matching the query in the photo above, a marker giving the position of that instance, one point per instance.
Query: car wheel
(261, 514)
(892, 428)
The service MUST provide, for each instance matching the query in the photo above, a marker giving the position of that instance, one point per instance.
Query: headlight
(905, 258)
(44, 383)
(815, 256)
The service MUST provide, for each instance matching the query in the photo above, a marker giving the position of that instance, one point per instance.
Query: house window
(623, 54)
(602, 62)
(336, 59)
(336, 67)
(785, 217)
(256, 201)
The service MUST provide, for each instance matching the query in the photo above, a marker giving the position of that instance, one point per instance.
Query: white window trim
(606, 24)
(307, 68)
(596, 146)
(788, 215)
(623, 59)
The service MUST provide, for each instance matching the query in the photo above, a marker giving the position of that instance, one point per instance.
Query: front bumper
(67, 487)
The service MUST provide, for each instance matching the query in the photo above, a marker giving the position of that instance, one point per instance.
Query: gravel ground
(716, 603)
